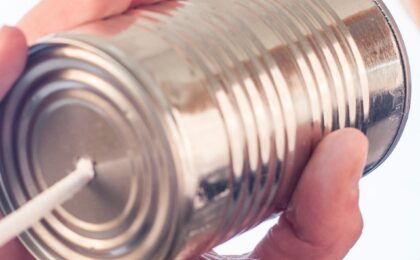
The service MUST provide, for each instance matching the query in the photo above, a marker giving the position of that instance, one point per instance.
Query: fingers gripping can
(200, 116)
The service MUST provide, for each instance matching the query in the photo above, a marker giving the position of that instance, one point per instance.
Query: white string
(43, 204)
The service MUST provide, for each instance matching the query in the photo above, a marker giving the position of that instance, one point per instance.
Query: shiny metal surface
(199, 127)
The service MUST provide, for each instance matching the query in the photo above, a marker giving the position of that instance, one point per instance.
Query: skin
(323, 219)
(413, 7)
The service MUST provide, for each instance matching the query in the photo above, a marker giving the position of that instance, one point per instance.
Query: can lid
(407, 85)
(72, 103)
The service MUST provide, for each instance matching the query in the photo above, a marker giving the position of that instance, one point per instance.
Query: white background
(390, 198)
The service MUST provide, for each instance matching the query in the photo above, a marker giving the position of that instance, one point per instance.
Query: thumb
(323, 220)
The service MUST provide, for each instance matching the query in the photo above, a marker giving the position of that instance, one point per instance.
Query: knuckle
(357, 228)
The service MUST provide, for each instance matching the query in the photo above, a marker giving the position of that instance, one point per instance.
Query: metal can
(200, 116)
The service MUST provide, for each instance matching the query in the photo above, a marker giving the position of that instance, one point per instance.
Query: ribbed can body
(201, 113)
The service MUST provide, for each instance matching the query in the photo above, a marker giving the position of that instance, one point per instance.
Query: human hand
(323, 220)
(13, 49)
(413, 7)
(47, 17)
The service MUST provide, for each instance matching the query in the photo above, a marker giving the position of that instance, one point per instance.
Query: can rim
(28, 238)
(407, 82)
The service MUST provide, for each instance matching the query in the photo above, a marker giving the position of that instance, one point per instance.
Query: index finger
(58, 15)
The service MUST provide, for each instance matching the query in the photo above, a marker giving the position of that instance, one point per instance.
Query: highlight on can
(202, 125)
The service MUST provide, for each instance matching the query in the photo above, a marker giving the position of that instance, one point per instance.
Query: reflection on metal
(210, 110)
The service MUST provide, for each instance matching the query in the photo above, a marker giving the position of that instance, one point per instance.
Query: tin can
(200, 116)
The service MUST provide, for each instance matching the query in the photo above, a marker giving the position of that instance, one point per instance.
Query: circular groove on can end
(72, 102)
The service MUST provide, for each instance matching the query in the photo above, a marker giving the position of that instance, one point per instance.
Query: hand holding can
(227, 111)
